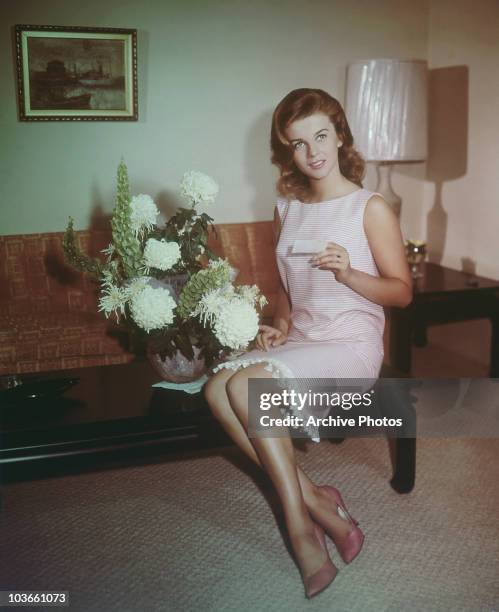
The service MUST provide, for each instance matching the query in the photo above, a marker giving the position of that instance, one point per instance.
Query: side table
(443, 295)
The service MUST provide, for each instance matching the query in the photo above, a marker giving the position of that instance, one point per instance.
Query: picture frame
(72, 73)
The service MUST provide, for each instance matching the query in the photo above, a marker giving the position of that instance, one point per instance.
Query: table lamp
(386, 107)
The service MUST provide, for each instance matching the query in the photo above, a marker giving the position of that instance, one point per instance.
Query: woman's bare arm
(394, 285)
(277, 333)
(282, 311)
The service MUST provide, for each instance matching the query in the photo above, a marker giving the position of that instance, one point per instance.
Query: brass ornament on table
(416, 253)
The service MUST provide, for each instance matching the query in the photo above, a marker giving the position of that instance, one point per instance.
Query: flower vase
(178, 369)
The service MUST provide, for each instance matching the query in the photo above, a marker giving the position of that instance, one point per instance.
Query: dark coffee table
(443, 295)
(111, 413)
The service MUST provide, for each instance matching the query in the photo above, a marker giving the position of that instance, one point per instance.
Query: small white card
(309, 247)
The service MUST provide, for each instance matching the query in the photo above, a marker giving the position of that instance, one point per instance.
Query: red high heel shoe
(351, 545)
(316, 583)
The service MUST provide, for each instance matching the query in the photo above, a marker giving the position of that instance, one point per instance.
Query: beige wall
(461, 198)
(460, 216)
(210, 73)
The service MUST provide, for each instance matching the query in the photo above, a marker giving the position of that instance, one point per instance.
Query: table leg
(494, 347)
(393, 400)
(405, 464)
(420, 338)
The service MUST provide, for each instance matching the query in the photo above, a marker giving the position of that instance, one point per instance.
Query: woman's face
(315, 145)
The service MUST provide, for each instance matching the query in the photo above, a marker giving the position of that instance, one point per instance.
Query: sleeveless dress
(334, 331)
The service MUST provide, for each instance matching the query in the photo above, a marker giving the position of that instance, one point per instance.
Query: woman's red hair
(298, 104)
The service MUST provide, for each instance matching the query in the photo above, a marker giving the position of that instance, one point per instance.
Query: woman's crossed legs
(302, 500)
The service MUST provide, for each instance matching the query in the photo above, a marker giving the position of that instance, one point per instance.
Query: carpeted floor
(195, 532)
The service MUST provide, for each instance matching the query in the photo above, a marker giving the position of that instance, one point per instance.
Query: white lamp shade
(386, 107)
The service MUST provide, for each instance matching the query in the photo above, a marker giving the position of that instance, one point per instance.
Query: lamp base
(384, 187)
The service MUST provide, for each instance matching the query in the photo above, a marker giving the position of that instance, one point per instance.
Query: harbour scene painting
(82, 75)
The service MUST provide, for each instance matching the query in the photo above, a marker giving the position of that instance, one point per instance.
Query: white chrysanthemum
(211, 302)
(236, 324)
(152, 308)
(198, 188)
(160, 254)
(112, 300)
(252, 295)
(249, 293)
(144, 213)
(135, 286)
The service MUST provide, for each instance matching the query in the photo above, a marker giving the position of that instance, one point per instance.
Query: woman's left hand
(334, 258)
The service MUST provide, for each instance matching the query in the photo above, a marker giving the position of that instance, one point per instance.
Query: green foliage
(76, 257)
(126, 243)
(183, 336)
(200, 283)
(190, 230)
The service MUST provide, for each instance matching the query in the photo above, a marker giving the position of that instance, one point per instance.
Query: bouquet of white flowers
(165, 283)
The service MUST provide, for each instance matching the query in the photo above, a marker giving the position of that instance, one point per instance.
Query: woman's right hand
(269, 337)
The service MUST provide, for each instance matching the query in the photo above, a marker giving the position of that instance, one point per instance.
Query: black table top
(439, 279)
(102, 393)
(110, 406)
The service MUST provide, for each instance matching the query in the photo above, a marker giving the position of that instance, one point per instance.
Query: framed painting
(76, 73)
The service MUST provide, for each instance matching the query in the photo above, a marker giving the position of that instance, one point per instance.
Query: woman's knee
(237, 386)
(215, 392)
(227, 389)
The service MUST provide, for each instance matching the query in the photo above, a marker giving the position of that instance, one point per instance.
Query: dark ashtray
(37, 390)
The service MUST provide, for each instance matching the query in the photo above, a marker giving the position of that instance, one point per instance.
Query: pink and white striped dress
(334, 331)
